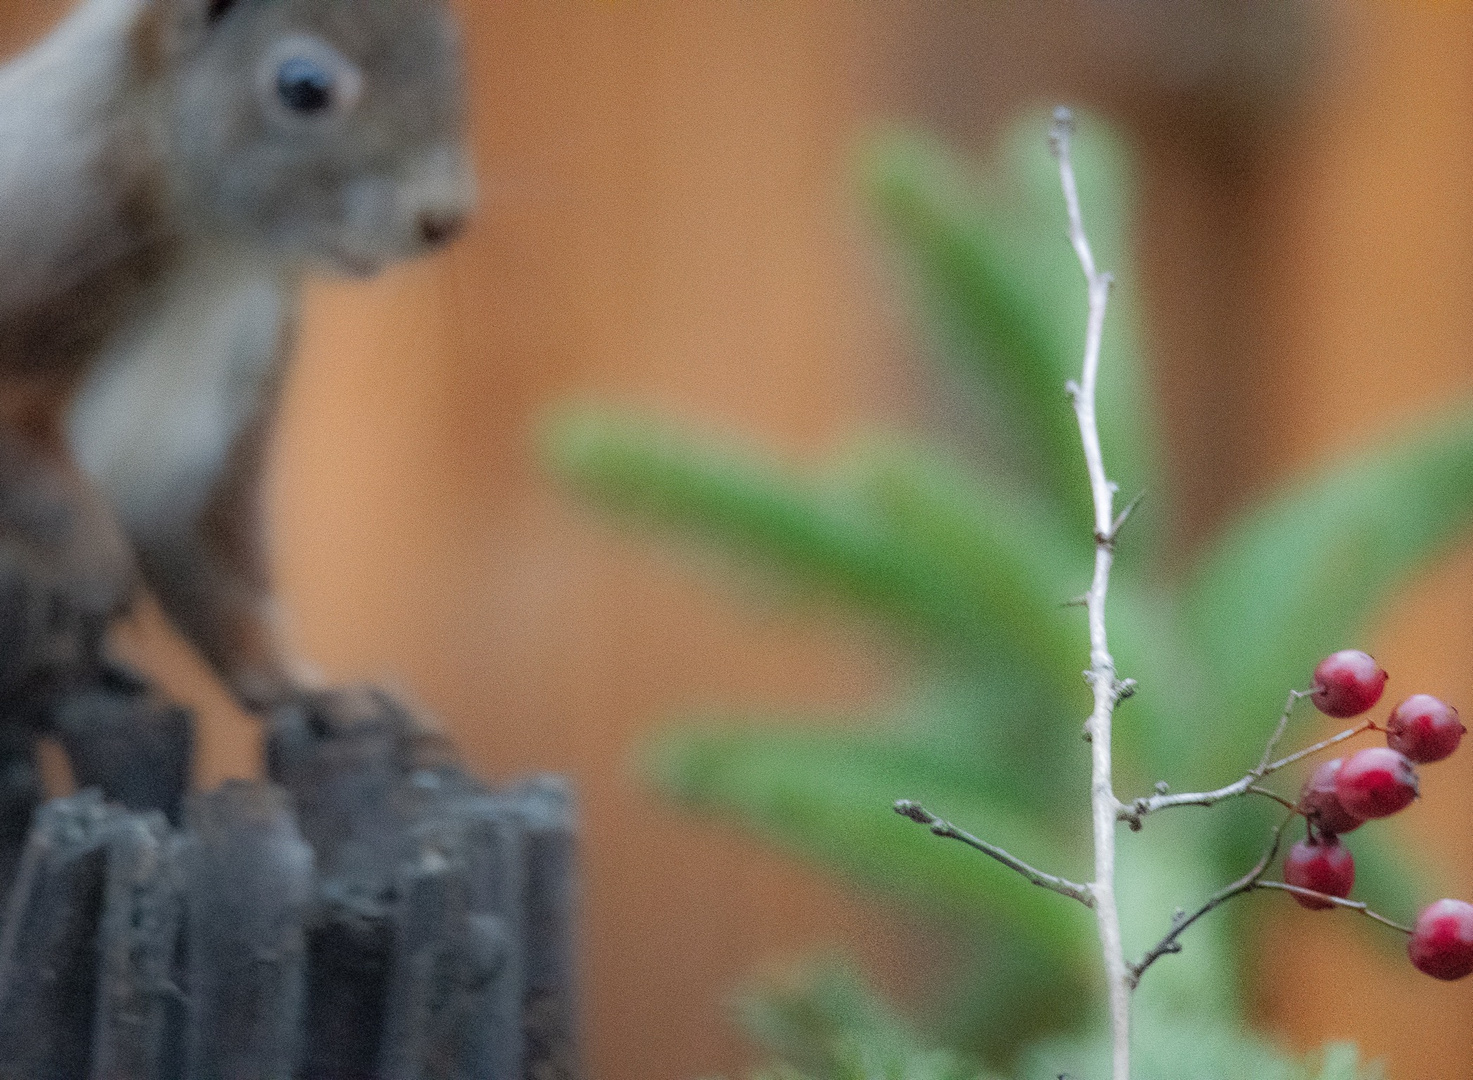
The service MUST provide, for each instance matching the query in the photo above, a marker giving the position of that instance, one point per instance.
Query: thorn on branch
(1124, 515)
(1125, 689)
(1107, 539)
(1162, 787)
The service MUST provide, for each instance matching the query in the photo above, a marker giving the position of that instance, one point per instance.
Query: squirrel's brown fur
(169, 172)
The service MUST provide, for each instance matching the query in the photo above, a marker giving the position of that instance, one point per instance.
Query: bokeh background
(669, 219)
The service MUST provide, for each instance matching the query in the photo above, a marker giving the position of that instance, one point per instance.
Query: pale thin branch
(940, 827)
(1103, 681)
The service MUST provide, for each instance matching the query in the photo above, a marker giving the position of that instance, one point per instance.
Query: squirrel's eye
(303, 80)
(304, 85)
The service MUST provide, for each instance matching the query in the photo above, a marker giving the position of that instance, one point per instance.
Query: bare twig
(1287, 804)
(1334, 901)
(1133, 812)
(1279, 729)
(1101, 664)
(1062, 886)
(1249, 882)
(1171, 943)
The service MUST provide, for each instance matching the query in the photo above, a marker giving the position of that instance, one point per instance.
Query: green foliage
(970, 567)
(1011, 309)
(814, 793)
(826, 1025)
(891, 531)
(1305, 570)
(1192, 1051)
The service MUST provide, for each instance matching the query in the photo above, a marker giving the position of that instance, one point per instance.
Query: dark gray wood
(138, 750)
(429, 938)
(250, 883)
(48, 951)
(488, 1045)
(422, 1005)
(20, 795)
(550, 1003)
(139, 932)
(348, 960)
(347, 757)
(340, 757)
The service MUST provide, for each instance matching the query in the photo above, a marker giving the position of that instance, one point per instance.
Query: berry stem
(1250, 882)
(1333, 740)
(1335, 901)
(940, 827)
(1287, 804)
(1101, 675)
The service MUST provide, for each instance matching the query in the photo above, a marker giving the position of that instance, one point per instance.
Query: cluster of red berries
(1343, 794)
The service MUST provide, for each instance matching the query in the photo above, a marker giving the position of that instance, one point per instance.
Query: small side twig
(940, 827)
(1133, 812)
(1287, 804)
(1324, 744)
(1171, 942)
(1249, 882)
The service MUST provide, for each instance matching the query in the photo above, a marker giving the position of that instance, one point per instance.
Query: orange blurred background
(668, 218)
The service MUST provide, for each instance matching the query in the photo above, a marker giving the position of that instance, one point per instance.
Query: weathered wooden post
(372, 913)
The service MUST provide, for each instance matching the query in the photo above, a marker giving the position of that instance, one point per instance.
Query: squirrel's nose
(438, 227)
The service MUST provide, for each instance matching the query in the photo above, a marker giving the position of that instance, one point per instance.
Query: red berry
(1424, 729)
(1321, 865)
(1347, 683)
(1376, 782)
(1320, 804)
(1442, 942)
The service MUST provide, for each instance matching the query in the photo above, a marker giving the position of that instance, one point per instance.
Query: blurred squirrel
(169, 172)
